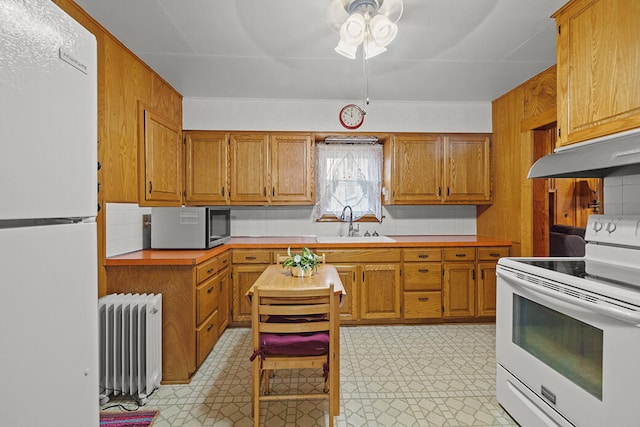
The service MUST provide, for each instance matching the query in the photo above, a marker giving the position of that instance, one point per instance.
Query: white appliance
(568, 331)
(48, 204)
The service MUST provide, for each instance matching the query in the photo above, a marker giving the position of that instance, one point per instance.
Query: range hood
(612, 155)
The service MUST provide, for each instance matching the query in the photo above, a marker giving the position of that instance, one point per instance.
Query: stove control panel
(618, 230)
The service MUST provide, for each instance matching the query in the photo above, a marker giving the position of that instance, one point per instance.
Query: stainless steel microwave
(189, 227)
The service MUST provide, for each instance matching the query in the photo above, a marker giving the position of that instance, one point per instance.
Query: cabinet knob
(423, 256)
(423, 299)
(423, 270)
(210, 290)
(461, 255)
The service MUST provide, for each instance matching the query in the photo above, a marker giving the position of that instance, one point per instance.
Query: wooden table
(276, 277)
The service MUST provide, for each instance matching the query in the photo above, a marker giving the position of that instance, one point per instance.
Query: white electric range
(568, 331)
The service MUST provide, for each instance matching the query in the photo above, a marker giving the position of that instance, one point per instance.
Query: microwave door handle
(551, 297)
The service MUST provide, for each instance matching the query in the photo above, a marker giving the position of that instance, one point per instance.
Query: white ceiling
(446, 50)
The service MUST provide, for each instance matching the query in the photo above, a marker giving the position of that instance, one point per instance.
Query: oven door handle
(551, 297)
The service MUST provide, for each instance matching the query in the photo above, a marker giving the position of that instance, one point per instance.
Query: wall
(322, 115)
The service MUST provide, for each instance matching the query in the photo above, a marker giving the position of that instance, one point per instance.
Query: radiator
(130, 346)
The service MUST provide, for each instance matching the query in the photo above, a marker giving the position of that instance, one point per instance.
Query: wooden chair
(296, 344)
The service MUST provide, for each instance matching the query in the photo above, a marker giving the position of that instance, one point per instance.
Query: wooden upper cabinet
(467, 168)
(598, 60)
(165, 100)
(435, 169)
(206, 167)
(417, 176)
(291, 168)
(126, 82)
(248, 160)
(161, 160)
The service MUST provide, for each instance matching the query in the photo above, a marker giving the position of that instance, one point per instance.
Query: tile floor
(435, 375)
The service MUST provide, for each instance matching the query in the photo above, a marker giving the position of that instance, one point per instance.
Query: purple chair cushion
(313, 344)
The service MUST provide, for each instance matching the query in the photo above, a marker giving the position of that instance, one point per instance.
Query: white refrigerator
(48, 205)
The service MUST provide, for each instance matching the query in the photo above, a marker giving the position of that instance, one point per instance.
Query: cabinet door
(243, 277)
(348, 276)
(126, 81)
(459, 289)
(467, 168)
(380, 291)
(598, 57)
(291, 164)
(486, 289)
(417, 169)
(206, 167)
(224, 299)
(161, 160)
(249, 168)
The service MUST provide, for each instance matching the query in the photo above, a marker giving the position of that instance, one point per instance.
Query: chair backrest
(300, 311)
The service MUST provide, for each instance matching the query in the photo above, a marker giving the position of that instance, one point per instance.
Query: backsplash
(297, 221)
(124, 223)
(622, 195)
(124, 227)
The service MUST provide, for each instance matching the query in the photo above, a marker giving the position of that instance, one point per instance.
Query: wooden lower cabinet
(459, 289)
(422, 283)
(459, 296)
(380, 291)
(349, 277)
(248, 265)
(371, 278)
(486, 276)
(191, 308)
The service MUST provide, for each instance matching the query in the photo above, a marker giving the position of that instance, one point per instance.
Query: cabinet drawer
(360, 255)
(206, 269)
(492, 254)
(421, 305)
(206, 337)
(410, 255)
(224, 261)
(252, 256)
(207, 299)
(423, 276)
(459, 254)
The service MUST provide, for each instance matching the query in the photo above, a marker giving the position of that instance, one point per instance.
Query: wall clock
(351, 116)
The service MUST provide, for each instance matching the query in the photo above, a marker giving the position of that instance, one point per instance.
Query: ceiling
(445, 50)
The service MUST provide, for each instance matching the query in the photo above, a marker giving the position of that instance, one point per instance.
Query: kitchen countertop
(192, 257)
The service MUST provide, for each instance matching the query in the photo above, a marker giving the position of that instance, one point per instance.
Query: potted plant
(301, 265)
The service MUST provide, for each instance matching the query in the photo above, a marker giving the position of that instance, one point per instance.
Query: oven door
(565, 352)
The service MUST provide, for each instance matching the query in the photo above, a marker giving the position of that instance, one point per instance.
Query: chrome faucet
(352, 231)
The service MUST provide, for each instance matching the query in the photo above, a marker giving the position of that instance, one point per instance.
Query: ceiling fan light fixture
(382, 30)
(371, 23)
(353, 30)
(371, 48)
(346, 50)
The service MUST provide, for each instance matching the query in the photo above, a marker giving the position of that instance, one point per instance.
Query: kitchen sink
(353, 239)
